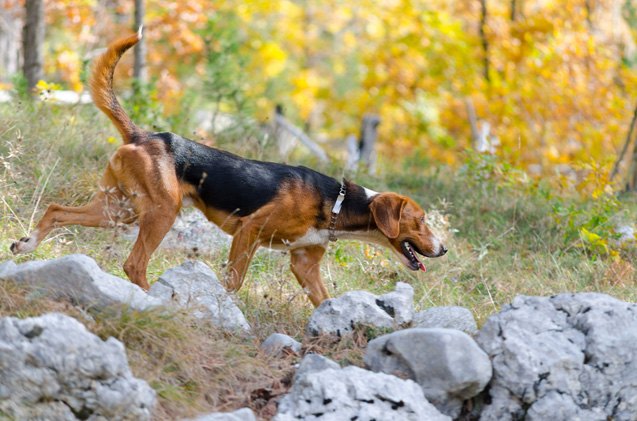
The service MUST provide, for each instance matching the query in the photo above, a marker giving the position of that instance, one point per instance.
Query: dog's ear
(386, 210)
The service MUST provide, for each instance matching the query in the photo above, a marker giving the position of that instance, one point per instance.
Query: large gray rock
(243, 414)
(446, 363)
(278, 344)
(571, 356)
(195, 286)
(78, 278)
(7, 267)
(339, 316)
(452, 317)
(354, 393)
(52, 368)
(312, 363)
(399, 303)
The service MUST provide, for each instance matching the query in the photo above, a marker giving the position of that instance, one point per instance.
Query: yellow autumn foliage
(559, 89)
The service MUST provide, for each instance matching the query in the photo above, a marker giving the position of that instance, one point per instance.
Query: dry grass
(194, 368)
(503, 241)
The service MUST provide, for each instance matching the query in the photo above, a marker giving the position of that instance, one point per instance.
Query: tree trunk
(483, 38)
(139, 69)
(367, 142)
(10, 25)
(589, 12)
(632, 181)
(32, 40)
(632, 167)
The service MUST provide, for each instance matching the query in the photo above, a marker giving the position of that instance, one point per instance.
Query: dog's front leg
(244, 244)
(306, 266)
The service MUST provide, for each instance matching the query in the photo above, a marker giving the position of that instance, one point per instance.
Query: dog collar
(335, 211)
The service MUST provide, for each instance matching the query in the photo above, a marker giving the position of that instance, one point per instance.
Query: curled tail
(102, 86)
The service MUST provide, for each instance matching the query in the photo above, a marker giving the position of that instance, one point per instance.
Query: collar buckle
(335, 211)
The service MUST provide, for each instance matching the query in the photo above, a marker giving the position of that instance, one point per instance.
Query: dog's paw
(24, 245)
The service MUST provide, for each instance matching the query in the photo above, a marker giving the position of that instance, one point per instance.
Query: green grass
(503, 240)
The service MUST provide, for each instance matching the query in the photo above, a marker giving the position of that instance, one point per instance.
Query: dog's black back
(238, 185)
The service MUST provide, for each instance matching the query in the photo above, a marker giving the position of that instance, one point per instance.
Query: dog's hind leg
(149, 180)
(107, 208)
(153, 226)
(305, 265)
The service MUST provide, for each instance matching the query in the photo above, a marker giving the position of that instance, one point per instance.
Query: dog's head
(402, 222)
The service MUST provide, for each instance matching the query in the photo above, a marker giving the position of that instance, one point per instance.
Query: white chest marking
(312, 237)
(370, 193)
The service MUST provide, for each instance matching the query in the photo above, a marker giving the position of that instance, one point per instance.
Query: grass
(503, 235)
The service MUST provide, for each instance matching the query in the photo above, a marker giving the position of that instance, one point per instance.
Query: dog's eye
(422, 219)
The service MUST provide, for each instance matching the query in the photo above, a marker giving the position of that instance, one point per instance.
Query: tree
(632, 164)
(483, 38)
(32, 40)
(139, 69)
(10, 25)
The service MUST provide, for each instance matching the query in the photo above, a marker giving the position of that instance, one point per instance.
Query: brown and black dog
(153, 175)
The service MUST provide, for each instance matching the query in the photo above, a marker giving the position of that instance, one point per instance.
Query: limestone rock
(313, 363)
(195, 286)
(278, 343)
(354, 393)
(571, 356)
(339, 316)
(79, 279)
(399, 303)
(451, 317)
(446, 363)
(7, 267)
(243, 414)
(51, 367)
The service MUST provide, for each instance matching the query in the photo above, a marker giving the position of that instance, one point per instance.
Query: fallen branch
(283, 123)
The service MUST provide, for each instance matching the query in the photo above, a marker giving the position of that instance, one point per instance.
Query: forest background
(551, 83)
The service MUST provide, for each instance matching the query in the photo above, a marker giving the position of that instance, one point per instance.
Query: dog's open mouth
(410, 254)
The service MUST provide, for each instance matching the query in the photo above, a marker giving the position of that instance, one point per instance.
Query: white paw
(25, 244)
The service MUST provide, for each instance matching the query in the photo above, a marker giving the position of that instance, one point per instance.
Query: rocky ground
(566, 357)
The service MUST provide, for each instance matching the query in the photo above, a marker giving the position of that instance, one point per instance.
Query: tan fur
(101, 87)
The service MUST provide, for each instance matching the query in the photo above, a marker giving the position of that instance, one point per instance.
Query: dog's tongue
(422, 267)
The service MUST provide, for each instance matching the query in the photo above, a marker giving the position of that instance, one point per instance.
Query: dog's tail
(102, 87)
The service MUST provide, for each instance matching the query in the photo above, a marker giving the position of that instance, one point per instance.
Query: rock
(626, 233)
(243, 414)
(399, 303)
(571, 356)
(79, 279)
(191, 232)
(452, 317)
(446, 363)
(312, 363)
(556, 406)
(7, 267)
(277, 344)
(195, 286)
(354, 393)
(51, 367)
(339, 316)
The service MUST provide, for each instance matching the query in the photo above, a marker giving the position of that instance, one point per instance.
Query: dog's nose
(443, 251)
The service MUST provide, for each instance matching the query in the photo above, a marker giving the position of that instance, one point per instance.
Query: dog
(153, 175)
